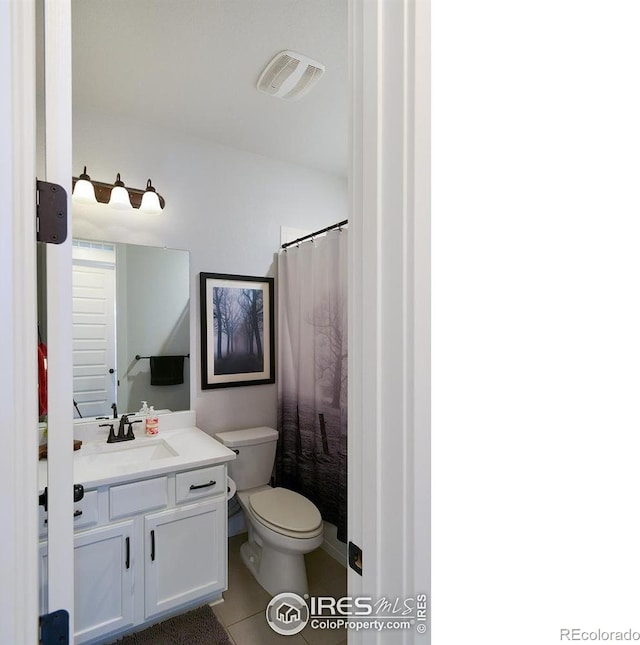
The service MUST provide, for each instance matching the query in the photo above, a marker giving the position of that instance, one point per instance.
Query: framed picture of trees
(236, 327)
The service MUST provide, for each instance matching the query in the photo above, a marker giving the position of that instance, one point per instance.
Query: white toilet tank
(256, 452)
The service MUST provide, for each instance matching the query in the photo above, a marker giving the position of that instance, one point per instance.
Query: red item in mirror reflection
(42, 379)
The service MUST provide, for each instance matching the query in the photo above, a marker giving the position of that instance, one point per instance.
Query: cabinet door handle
(194, 487)
(153, 546)
(127, 557)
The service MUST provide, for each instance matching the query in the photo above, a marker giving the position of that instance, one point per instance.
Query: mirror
(128, 301)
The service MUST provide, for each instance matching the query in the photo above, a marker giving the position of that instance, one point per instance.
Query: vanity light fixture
(150, 202)
(83, 191)
(117, 194)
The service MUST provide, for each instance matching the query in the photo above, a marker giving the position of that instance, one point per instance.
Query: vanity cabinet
(146, 548)
(185, 555)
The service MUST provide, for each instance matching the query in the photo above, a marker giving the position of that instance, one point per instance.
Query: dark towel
(167, 370)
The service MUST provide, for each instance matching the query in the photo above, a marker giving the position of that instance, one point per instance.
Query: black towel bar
(138, 357)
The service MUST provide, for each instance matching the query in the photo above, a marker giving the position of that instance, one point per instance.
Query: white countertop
(98, 463)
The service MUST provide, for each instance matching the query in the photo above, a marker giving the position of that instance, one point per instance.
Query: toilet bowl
(283, 525)
(275, 553)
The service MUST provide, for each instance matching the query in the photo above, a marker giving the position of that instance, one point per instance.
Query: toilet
(283, 525)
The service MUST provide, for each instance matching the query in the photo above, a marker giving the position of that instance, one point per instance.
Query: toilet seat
(286, 512)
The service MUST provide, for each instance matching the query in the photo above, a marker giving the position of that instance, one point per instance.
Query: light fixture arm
(84, 176)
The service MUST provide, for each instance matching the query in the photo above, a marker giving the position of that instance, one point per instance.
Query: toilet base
(275, 571)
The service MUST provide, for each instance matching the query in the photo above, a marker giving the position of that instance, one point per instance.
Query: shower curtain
(312, 374)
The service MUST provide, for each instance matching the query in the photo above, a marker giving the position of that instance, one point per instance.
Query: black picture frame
(237, 336)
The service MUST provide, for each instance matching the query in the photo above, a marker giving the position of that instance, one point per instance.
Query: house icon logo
(287, 614)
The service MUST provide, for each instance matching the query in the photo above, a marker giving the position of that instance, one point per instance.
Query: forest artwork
(236, 330)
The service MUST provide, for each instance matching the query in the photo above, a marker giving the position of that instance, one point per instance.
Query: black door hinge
(355, 558)
(54, 628)
(51, 213)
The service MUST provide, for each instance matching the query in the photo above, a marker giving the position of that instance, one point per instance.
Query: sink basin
(125, 453)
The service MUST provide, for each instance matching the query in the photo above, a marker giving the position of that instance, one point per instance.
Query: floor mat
(197, 627)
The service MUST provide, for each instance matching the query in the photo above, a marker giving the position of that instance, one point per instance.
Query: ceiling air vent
(290, 75)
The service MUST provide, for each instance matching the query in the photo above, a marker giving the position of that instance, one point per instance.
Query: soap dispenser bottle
(144, 410)
(151, 424)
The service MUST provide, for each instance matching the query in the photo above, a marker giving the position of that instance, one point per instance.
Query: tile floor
(242, 612)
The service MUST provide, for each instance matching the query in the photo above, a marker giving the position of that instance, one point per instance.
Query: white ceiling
(192, 66)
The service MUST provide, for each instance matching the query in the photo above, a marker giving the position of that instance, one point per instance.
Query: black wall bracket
(51, 213)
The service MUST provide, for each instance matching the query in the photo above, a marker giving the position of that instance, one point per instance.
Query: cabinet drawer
(85, 512)
(138, 497)
(203, 482)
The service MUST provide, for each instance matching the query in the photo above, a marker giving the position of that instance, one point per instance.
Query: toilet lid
(286, 509)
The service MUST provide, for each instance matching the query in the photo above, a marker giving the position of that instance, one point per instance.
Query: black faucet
(112, 434)
(114, 407)
(121, 436)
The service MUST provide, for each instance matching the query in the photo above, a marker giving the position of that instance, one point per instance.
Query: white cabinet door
(185, 555)
(103, 578)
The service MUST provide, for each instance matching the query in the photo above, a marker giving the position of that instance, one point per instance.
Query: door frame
(18, 332)
(389, 470)
(19, 593)
(58, 162)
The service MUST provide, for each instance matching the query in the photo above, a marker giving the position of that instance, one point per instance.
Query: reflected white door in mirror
(94, 327)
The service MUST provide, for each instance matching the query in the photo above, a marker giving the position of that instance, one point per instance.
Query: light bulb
(120, 196)
(83, 191)
(150, 200)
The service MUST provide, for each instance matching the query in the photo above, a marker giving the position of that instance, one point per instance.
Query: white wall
(223, 205)
(155, 322)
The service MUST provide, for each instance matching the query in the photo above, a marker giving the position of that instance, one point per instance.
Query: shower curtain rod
(311, 235)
